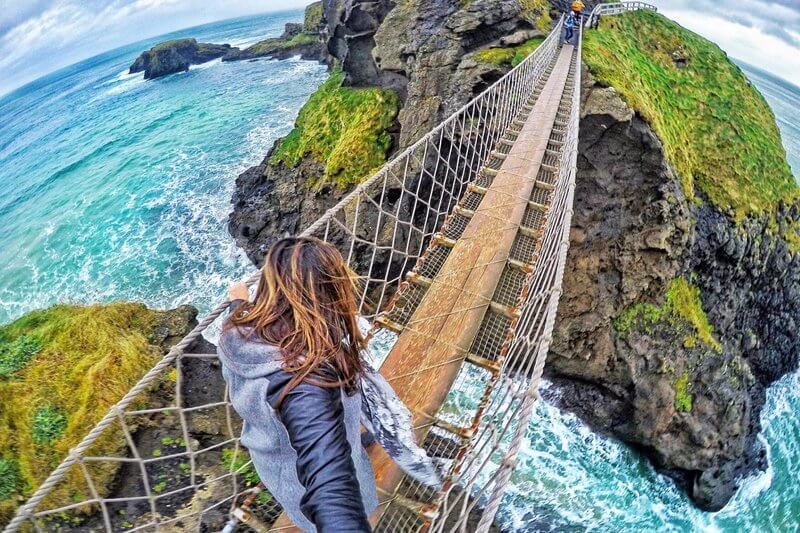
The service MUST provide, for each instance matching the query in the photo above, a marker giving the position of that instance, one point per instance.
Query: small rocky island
(174, 56)
(298, 39)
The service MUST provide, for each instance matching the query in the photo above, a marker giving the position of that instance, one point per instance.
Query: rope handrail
(616, 8)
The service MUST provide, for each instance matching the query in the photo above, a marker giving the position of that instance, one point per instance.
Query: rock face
(422, 51)
(176, 56)
(693, 409)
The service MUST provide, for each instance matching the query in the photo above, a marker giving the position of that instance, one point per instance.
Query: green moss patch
(239, 462)
(717, 129)
(509, 56)
(683, 398)
(313, 17)
(273, 44)
(68, 366)
(537, 12)
(682, 307)
(343, 128)
(14, 355)
(10, 479)
(48, 425)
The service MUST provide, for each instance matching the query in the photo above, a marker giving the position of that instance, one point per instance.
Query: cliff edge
(682, 282)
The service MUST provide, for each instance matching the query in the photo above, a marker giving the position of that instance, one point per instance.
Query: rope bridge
(459, 244)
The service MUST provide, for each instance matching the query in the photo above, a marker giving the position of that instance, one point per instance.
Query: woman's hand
(238, 291)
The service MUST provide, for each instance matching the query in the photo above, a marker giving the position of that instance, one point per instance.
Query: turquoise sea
(117, 188)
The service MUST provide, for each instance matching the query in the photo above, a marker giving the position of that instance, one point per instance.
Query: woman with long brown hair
(293, 361)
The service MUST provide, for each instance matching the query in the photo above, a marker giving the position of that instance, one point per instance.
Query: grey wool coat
(248, 363)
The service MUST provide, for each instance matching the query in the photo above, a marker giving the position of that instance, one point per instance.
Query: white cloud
(35, 42)
(746, 31)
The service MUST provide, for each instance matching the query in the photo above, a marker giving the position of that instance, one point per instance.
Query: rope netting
(168, 457)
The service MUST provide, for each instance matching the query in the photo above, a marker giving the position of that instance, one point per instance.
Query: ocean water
(117, 188)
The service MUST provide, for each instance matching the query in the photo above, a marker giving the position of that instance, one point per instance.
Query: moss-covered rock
(343, 128)
(176, 55)
(68, 366)
(718, 131)
(681, 307)
(313, 20)
(304, 40)
(510, 55)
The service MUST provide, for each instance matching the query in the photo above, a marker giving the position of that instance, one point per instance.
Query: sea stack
(176, 56)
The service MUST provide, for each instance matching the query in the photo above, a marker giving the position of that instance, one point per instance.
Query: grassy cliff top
(312, 20)
(343, 128)
(717, 129)
(61, 369)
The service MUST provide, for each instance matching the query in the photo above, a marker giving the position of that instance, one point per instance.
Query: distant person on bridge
(577, 8)
(569, 28)
(294, 361)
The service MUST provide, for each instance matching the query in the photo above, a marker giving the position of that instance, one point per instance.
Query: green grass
(343, 128)
(682, 307)
(166, 45)
(76, 363)
(15, 355)
(683, 398)
(240, 462)
(313, 17)
(273, 44)
(509, 56)
(48, 424)
(718, 131)
(10, 479)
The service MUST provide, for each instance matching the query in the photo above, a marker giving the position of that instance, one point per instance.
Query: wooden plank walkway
(429, 353)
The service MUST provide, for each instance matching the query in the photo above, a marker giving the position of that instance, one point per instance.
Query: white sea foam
(207, 64)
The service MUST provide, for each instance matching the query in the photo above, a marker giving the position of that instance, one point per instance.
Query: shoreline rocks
(691, 407)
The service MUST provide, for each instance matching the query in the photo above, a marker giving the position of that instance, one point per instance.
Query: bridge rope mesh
(168, 457)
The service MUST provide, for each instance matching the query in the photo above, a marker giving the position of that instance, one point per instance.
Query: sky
(763, 33)
(40, 36)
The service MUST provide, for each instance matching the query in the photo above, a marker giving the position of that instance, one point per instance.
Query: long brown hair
(306, 306)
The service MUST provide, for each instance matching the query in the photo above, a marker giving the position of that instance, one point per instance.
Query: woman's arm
(314, 418)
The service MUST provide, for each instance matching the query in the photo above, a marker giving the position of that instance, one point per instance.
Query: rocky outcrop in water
(304, 39)
(170, 57)
(691, 406)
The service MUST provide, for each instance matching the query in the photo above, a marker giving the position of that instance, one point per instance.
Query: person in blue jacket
(569, 27)
(294, 362)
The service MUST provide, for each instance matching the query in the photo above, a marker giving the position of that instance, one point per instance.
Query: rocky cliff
(680, 298)
(176, 56)
(681, 286)
(422, 53)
